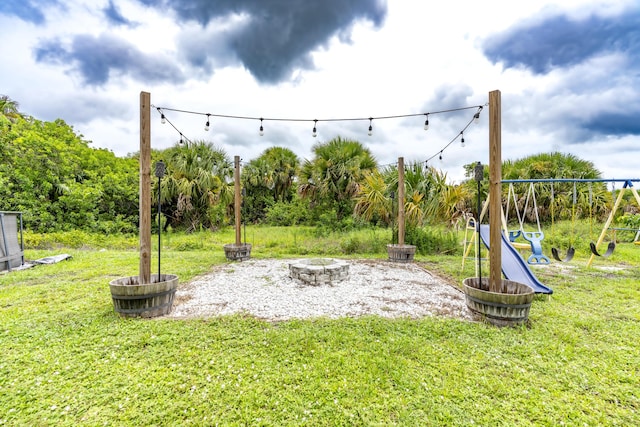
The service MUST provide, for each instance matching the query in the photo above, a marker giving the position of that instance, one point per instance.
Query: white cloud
(422, 54)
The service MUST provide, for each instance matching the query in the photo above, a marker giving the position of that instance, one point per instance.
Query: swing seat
(535, 239)
(570, 253)
(610, 249)
(513, 235)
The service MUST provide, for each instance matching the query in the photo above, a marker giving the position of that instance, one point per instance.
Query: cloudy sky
(568, 72)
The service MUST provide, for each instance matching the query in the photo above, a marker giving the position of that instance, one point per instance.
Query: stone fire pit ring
(318, 271)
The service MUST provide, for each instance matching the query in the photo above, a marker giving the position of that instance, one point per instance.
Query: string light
(439, 154)
(476, 117)
(206, 125)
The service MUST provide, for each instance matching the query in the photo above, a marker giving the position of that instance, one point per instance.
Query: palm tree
(9, 108)
(282, 166)
(373, 200)
(334, 176)
(199, 176)
(268, 179)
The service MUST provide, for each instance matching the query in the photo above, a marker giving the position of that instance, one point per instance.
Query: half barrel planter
(132, 299)
(235, 252)
(508, 307)
(401, 253)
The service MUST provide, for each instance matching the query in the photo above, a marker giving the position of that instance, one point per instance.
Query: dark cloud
(560, 41)
(573, 46)
(271, 39)
(98, 58)
(608, 123)
(114, 16)
(27, 10)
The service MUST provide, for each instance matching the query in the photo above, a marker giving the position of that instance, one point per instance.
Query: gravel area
(262, 288)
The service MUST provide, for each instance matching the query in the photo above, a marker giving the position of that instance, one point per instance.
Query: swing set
(535, 238)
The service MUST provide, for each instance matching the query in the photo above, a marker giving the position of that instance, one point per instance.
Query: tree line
(59, 182)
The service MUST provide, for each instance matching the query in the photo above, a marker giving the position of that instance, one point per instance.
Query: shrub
(430, 240)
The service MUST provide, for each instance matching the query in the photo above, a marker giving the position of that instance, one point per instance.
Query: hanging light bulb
(315, 131)
(370, 126)
(462, 140)
(476, 116)
(261, 128)
(440, 156)
(426, 122)
(206, 125)
(163, 120)
(181, 141)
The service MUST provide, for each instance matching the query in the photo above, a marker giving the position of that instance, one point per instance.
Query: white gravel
(262, 288)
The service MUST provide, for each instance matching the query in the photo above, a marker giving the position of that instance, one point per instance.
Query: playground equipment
(612, 245)
(513, 266)
(571, 251)
(11, 241)
(628, 185)
(533, 237)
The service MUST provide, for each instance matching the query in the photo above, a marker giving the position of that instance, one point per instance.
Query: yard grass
(67, 359)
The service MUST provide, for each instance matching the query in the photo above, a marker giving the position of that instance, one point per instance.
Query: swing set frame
(627, 185)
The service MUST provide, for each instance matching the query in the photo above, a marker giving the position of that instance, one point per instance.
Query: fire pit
(318, 271)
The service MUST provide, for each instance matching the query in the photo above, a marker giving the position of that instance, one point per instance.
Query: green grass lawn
(68, 359)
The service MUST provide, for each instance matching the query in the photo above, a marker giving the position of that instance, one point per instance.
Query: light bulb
(370, 132)
(440, 157)
(261, 128)
(476, 118)
(206, 125)
(163, 120)
(462, 142)
(426, 123)
(315, 131)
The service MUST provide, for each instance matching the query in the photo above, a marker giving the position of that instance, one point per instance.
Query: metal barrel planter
(131, 299)
(508, 307)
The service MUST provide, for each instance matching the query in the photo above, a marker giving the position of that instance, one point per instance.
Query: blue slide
(514, 267)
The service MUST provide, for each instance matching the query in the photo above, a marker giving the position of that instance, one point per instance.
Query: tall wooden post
(495, 191)
(145, 188)
(400, 201)
(237, 204)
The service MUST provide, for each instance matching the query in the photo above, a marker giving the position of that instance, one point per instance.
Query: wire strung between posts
(439, 153)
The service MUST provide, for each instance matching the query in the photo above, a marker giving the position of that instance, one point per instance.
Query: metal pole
(160, 168)
(393, 222)
(479, 172)
(244, 219)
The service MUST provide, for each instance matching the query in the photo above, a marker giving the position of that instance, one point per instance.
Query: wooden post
(237, 204)
(145, 188)
(400, 201)
(495, 191)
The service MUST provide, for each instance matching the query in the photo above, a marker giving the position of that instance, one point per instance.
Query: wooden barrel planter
(234, 252)
(401, 253)
(508, 307)
(131, 299)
